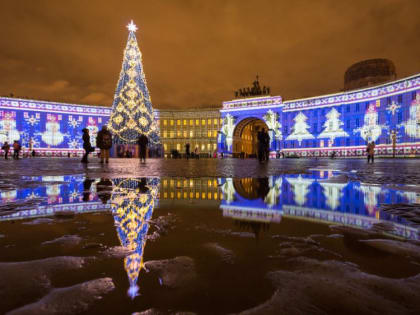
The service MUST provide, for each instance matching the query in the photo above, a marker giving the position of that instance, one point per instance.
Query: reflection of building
(198, 127)
(132, 204)
(190, 189)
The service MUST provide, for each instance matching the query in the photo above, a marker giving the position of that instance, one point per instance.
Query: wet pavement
(209, 236)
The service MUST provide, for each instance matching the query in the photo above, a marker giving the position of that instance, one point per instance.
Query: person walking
(143, 142)
(16, 149)
(6, 148)
(187, 150)
(266, 145)
(371, 152)
(86, 145)
(104, 142)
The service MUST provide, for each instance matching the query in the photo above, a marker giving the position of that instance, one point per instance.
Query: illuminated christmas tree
(132, 112)
(332, 126)
(300, 129)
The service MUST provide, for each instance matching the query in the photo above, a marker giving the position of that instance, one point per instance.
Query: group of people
(104, 143)
(263, 145)
(16, 149)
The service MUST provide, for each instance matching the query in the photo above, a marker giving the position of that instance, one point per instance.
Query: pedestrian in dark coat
(16, 149)
(86, 145)
(104, 142)
(6, 148)
(143, 142)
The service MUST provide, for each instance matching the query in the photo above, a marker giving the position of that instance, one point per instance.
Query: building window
(165, 122)
(215, 121)
(348, 109)
(214, 146)
(178, 146)
(191, 122)
(214, 133)
(172, 134)
(165, 147)
(209, 122)
(165, 134)
(197, 122)
(172, 122)
(203, 122)
(178, 133)
(185, 122)
(209, 133)
(178, 122)
(191, 134)
(185, 133)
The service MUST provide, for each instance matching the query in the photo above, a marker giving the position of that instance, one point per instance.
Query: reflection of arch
(251, 188)
(245, 135)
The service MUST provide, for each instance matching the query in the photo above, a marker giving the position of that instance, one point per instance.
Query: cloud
(196, 53)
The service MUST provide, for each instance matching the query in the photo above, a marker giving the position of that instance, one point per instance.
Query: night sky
(196, 53)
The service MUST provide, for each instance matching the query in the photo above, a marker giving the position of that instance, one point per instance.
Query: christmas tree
(333, 126)
(300, 129)
(132, 112)
(132, 206)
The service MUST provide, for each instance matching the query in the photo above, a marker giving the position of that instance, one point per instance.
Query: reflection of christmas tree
(371, 130)
(275, 191)
(332, 126)
(132, 112)
(132, 205)
(228, 190)
(300, 187)
(333, 193)
(300, 129)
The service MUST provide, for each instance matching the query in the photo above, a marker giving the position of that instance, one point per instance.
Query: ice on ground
(39, 221)
(69, 300)
(394, 247)
(118, 252)
(314, 284)
(65, 240)
(32, 279)
(176, 272)
(225, 254)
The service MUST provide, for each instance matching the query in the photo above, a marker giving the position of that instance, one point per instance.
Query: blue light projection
(49, 128)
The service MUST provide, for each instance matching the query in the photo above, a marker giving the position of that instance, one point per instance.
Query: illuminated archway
(245, 136)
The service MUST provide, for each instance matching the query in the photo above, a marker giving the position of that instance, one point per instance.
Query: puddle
(203, 245)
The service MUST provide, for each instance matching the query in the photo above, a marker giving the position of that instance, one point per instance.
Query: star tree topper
(132, 27)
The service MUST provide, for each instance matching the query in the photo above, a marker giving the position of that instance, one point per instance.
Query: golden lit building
(198, 127)
(189, 189)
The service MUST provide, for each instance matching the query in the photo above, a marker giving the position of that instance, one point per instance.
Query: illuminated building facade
(54, 129)
(198, 127)
(343, 122)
